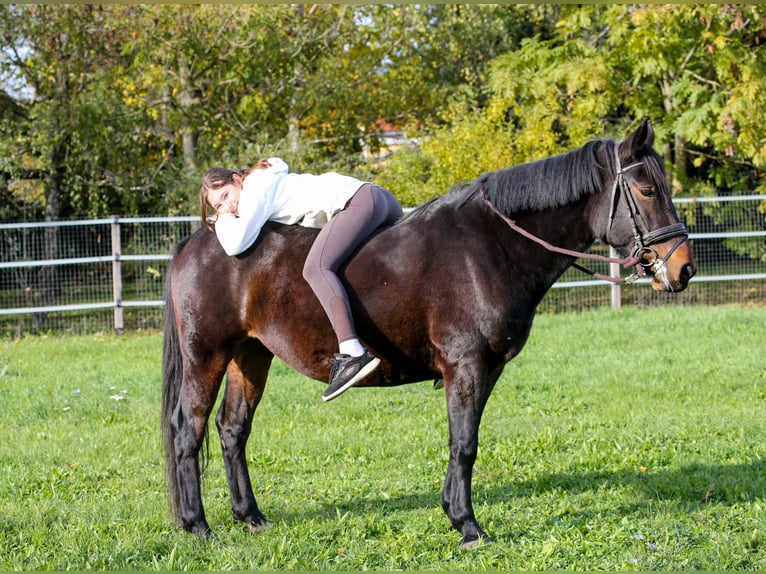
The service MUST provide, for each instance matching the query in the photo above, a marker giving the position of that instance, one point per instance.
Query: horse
(448, 293)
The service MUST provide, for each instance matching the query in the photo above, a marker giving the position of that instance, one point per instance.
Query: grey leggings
(370, 208)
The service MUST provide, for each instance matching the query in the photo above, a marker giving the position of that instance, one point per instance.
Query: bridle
(643, 239)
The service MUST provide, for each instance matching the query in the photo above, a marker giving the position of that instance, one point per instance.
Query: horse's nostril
(688, 272)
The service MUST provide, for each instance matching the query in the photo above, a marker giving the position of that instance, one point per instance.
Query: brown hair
(218, 177)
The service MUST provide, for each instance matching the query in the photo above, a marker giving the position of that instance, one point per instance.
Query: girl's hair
(218, 177)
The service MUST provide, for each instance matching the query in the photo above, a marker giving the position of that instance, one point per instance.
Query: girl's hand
(261, 164)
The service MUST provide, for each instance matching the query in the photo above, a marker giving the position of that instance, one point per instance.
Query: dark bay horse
(449, 292)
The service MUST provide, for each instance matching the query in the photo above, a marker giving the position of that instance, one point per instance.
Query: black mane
(544, 184)
(548, 183)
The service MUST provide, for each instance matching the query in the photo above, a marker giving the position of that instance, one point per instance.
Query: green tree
(120, 108)
(79, 133)
(702, 68)
(696, 71)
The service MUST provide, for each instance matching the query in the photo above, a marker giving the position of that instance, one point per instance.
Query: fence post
(614, 271)
(117, 275)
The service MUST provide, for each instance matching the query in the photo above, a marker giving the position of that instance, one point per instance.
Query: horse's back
(399, 282)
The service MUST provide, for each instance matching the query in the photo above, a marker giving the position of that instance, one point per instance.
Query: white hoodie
(273, 194)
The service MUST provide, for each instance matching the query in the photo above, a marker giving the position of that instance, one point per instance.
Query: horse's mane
(543, 184)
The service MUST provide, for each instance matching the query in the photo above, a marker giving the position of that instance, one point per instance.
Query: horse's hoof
(474, 542)
(202, 532)
(256, 522)
(258, 526)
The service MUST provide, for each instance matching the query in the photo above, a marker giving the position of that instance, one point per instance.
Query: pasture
(617, 440)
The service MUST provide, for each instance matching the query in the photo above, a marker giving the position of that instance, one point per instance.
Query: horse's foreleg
(188, 424)
(245, 381)
(467, 389)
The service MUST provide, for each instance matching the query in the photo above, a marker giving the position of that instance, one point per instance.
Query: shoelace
(338, 362)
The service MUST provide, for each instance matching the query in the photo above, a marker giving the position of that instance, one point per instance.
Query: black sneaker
(348, 371)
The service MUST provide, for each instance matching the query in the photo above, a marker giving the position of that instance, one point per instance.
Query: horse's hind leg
(201, 382)
(245, 381)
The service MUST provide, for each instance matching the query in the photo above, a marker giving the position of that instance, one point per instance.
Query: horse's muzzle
(670, 264)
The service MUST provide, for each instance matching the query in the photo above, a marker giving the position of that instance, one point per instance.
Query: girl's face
(226, 199)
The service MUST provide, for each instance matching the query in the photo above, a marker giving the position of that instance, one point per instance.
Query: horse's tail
(172, 376)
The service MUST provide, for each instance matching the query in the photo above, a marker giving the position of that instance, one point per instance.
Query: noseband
(643, 240)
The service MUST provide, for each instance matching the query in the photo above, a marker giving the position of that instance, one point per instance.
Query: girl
(346, 209)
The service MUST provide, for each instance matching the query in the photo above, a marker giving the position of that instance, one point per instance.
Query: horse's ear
(643, 136)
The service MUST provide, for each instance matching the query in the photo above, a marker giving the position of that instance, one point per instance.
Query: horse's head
(637, 216)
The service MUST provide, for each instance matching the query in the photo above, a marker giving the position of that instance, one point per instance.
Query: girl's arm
(238, 233)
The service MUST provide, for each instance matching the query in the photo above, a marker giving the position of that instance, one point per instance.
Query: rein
(643, 242)
(631, 261)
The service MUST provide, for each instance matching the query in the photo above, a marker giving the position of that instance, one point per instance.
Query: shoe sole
(364, 372)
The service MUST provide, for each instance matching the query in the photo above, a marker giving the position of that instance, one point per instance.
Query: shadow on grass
(690, 487)
(700, 483)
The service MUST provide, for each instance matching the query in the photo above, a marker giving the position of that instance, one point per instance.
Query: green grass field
(618, 440)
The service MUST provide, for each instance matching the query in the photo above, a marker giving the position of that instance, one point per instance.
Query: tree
(67, 64)
(703, 67)
(696, 71)
(54, 57)
(119, 108)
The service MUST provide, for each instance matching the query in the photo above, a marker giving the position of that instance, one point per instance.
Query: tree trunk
(675, 151)
(186, 102)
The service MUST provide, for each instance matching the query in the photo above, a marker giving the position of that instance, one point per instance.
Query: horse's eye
(647, 191)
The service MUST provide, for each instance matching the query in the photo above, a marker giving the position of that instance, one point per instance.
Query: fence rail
(102, 274)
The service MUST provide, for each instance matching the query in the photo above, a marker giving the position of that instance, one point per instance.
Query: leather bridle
(649, 260)
(644, 257)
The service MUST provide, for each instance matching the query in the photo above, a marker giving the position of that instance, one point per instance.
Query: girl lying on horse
(346, 209)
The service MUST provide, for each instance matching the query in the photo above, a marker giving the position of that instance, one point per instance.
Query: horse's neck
(566, 227)
(563, 227)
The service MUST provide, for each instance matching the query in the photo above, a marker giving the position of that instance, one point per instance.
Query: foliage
(120, 108)
(51, 55)
(609, 455)
(696, 71)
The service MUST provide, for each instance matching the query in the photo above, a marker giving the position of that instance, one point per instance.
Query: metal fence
(86, 276)
(107, 274)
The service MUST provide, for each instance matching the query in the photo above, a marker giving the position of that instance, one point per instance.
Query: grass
(618, 440)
